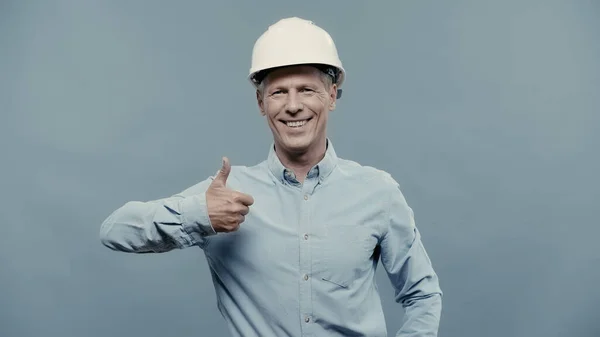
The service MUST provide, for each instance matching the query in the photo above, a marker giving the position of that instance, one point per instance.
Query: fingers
(233, 224)
(223, 173)
(235, 221)
(221, 180)
(227, 208)
(244, 210)
(244, 199)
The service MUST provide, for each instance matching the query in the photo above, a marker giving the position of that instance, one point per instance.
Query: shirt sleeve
(158, 226)
(410, 270)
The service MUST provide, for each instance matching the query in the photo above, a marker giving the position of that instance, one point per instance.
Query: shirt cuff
(196, 222)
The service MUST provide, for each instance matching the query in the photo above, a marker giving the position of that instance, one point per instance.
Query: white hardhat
(295, 41)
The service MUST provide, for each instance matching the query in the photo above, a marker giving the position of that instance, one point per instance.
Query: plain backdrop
(486, 112)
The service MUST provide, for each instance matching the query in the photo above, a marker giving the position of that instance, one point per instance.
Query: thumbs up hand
(226, 208)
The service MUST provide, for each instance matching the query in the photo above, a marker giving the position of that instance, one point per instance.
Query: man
(293, 242)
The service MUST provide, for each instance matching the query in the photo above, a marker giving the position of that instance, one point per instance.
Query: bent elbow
(125, 229)
(113, 232)
(108, 236)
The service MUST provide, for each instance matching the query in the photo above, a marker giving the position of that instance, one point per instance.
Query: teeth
(296, 124)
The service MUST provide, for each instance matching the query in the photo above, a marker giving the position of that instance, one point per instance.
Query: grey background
(487, 113)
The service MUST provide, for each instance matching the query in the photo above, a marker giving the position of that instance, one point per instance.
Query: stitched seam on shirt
(386, 224)
(388, 213)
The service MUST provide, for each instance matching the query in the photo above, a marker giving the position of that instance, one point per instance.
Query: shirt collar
(322, 169)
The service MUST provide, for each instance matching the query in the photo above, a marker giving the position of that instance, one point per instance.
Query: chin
(297, 144)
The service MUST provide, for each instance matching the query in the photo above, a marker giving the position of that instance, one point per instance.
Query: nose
(293, 105)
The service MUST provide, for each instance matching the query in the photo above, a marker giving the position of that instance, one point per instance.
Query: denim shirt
(303, 262)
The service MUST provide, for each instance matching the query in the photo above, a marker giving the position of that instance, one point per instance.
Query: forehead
(293, 74)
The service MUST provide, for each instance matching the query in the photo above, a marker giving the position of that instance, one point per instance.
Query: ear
(260, 102)
(332, 97)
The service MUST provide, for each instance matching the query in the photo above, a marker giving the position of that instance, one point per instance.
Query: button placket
(304, 226)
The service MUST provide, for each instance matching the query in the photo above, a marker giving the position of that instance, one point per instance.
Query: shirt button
(306, 197)
(305, 236)
(307, 319)
(305, 277)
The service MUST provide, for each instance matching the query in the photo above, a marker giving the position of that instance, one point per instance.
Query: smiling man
(293, 242)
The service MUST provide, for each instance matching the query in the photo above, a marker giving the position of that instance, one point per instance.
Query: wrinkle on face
(294, 94)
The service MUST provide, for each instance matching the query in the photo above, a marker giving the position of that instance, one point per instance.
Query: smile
(296, 124)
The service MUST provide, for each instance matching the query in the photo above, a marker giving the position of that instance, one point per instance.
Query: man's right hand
(226, 208)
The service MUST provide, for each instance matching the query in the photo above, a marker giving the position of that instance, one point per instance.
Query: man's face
(296, 102)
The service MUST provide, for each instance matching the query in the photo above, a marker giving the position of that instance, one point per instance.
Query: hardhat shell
(294, 41)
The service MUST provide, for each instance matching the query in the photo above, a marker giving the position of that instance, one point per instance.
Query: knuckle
(241, 209)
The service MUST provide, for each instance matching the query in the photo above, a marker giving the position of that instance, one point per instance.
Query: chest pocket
(344, 253)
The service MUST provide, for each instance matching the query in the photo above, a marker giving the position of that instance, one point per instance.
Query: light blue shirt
(303, 262)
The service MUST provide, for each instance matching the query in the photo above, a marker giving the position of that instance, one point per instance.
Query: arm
(410, 270)
(159, 226)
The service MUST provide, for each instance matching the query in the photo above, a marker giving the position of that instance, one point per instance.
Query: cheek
(323, 119)
(269, 111)
(272, 121)
(320, 110)
(272, 116)
(272, 108)
(318, 104)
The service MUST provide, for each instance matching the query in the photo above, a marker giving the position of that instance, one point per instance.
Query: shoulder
(383, 184)
(350, 170)
(374, 182)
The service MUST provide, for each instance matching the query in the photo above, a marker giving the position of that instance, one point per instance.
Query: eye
(306, 90)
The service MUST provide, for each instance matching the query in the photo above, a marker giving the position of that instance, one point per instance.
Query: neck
(301, 162)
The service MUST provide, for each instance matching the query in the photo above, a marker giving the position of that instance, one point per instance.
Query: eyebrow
(299, 85)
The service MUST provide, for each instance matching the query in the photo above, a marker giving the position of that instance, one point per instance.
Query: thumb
(223, 173)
